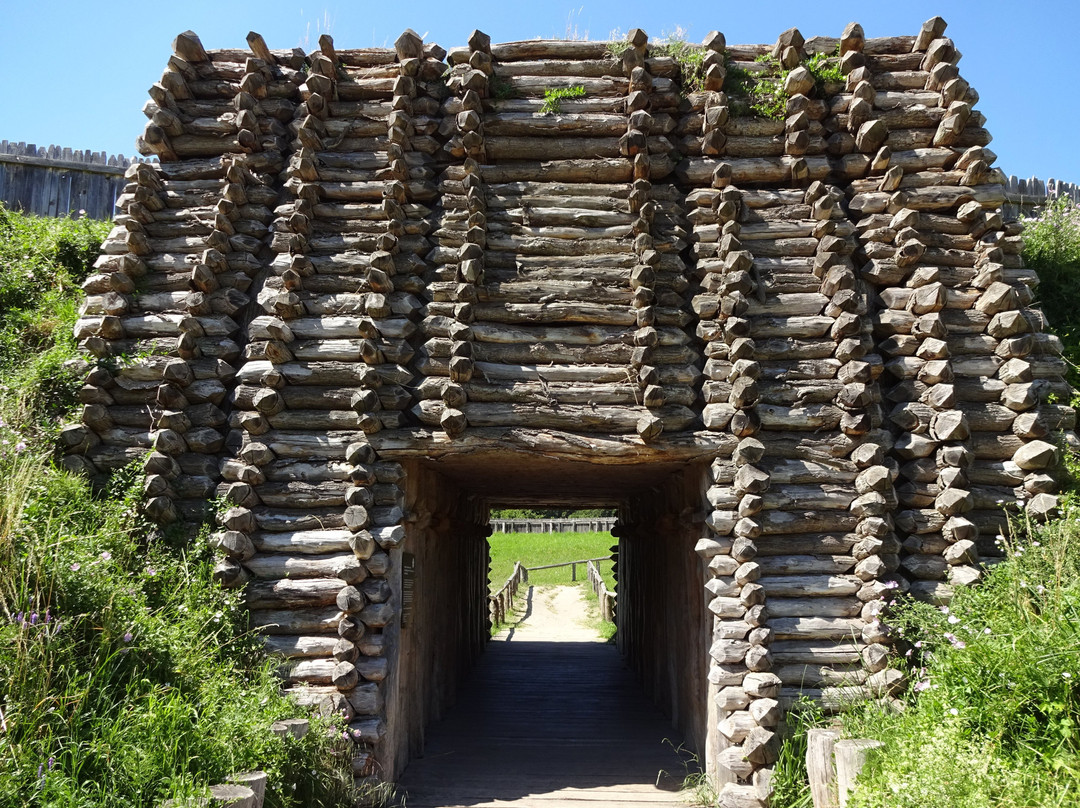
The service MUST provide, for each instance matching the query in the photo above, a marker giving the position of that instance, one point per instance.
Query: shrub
(994, 707)
(1052, 248)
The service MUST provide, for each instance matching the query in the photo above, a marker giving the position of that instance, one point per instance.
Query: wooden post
(820, 768)
(851, 756)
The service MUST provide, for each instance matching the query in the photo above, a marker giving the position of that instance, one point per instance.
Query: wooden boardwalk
(544, 723)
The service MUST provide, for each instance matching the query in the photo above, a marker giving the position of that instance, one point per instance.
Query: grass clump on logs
(554, 96)
(825, 68)
(689, 58)
(127, 675)
(759, 94)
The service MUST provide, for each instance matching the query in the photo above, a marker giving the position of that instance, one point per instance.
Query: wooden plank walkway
(544, 723)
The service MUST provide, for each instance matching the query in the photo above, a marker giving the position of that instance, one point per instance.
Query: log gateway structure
(368, 294)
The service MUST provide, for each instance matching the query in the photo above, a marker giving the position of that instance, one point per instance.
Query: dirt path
(551, 614)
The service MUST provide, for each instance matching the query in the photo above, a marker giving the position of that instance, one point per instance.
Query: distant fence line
(1022, 196)
(56, 181)
(596, 524)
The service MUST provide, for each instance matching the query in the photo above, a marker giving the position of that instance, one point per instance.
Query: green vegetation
(501, 88)
(1052, 248)
(538, 549)
(992, 714)
(996, 686)
(690, 59)
(42, 263)
(760, 94)
(554, 96)
(127, 676)
(825, 68)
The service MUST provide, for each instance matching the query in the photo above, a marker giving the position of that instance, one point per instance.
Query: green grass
(538, 549)
(991, 718)
(127, 675)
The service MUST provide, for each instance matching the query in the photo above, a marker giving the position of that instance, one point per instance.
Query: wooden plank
(568, 725)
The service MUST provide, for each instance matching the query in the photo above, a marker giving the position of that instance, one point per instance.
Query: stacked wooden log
(327, 367)
(936, 251)
(352, 258)
(163, 310)
(540, 316)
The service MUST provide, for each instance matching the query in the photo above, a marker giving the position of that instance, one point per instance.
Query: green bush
(42, 263)
(1052, 248)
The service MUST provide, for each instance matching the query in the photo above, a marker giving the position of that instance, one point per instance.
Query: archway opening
(663, 627)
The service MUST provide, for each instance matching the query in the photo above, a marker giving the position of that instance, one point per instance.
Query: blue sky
(76, 74)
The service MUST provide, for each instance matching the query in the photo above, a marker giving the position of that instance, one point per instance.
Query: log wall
(447, 625)
(352, 263)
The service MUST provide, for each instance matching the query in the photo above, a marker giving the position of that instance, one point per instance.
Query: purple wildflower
(128, 637)
(106, 556)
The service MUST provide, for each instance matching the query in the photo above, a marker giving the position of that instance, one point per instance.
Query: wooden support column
(633, 145)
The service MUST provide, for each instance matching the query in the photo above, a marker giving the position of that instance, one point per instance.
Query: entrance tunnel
(663, 638)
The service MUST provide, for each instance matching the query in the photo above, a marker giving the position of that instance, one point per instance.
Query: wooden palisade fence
(595, 524)
(55, 181)
(1024, 196)
(367, 295)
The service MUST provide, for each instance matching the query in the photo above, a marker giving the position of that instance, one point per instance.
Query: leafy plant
(760, 94)
(554, 96)
(993, 711)
(825, 68)
(1052, 248)
(127, 675)
(690, 59)
(501, 88)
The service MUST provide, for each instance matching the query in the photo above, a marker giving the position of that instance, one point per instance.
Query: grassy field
(538, 549)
